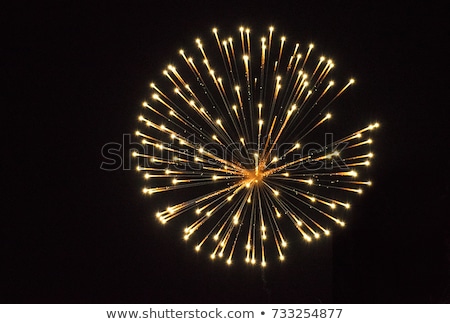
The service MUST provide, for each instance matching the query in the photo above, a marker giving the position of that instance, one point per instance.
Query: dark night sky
(74, 79)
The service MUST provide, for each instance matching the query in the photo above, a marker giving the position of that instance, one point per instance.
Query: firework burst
(229, 140)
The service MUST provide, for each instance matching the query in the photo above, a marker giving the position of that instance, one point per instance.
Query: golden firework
(235, 125)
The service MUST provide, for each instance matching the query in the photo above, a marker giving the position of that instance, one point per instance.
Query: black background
(74, 76)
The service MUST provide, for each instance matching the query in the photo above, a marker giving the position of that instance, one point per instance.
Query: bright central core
(255, 176)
